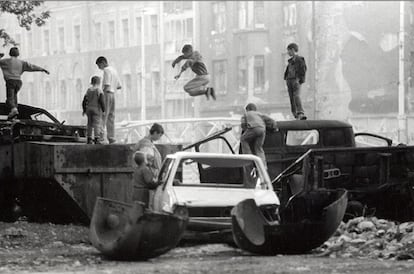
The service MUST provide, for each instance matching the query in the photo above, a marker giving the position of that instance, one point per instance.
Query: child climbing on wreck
(144, 178)
(93, 105)
(198, 85)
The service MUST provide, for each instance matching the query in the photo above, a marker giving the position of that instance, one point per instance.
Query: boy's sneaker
(208, 93)
(213, 93)
(302, 117)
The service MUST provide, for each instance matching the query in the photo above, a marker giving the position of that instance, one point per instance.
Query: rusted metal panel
(306, 222)
(84, 172)
(33, 160)
(5, 162)
(132, 232)
(92, 157)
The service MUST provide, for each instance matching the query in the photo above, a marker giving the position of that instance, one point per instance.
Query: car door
(214, 143)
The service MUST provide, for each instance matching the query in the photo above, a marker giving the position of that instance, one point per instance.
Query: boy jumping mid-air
(198, 85)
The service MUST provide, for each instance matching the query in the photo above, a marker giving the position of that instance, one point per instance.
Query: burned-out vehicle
(210, 185)
(376, 173)
(24, 143)
(48, 173)
(36, 124)
(226, 193)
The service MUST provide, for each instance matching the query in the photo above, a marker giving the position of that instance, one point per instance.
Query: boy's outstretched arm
(31, 67)
(178, 60)
(183, 68)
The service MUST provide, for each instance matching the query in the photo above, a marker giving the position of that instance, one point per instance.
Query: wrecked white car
(210, 185)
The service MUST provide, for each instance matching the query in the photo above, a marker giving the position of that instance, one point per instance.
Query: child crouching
(93, 106)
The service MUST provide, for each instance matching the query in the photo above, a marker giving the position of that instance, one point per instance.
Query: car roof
(312, 124)
(25, 111)
(184, 154)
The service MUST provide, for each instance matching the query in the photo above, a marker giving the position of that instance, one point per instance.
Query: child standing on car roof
(93, 106)
(198, 85)
(13, 69)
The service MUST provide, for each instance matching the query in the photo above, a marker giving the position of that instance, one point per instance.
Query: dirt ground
(32, 248)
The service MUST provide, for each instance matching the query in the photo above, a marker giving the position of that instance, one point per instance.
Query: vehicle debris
(306, 221)
(131, 232)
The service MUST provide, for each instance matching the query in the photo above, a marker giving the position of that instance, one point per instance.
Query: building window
(127, 90)
(179, 31)
(259, 14)
(138, 29)
(18, 39)
(125, 32)
(77, 34)
(29, 43)
(46, 42)
(98, 35)
(220, 76)
(187, 5)
(111, 31)
(48, 96)
(79, 93)
(289, 15)
(219, 17)
(61, 35)
(156, 86)
(242, 18)
(168, 32)
(63, 92)
(154, 29)
(242, 74)
(259, 73)
(189, 32)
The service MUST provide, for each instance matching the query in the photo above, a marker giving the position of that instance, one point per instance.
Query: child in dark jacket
(144, 178)
(93, 106)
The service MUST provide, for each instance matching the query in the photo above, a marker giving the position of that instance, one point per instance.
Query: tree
(26, 13)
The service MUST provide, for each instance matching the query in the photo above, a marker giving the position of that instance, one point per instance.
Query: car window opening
(209, 172)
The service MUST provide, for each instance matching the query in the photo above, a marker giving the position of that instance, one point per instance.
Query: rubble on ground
(38, 246)
(371, 238)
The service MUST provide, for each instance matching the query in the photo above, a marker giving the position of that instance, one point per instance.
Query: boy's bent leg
(258, 144)
(197, 85)
(246, 140)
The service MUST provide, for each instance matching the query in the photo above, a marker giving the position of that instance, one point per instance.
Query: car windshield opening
(214, 172)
